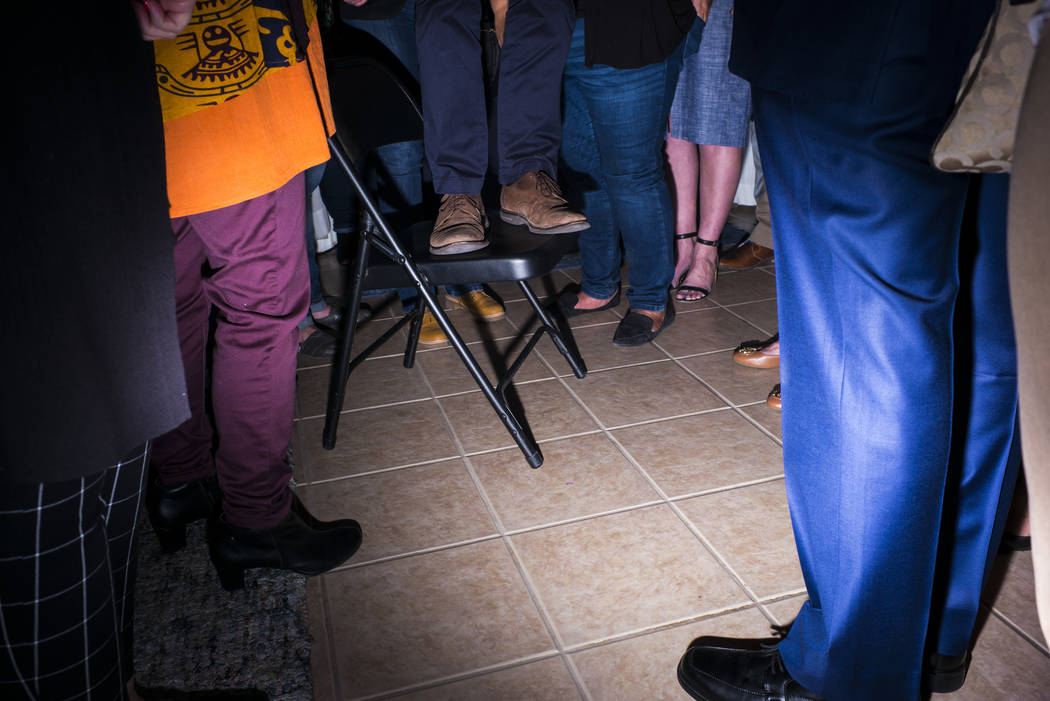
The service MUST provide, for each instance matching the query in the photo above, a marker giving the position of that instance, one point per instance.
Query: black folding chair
(372, 107)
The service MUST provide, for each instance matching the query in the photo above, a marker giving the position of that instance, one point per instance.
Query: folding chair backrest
(372, 106)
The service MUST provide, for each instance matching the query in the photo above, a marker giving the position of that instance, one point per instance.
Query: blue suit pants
(898, 373)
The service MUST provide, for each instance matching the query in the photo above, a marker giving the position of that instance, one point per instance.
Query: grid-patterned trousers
(67, 573)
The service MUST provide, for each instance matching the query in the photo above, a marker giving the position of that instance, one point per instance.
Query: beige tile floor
(659, 515)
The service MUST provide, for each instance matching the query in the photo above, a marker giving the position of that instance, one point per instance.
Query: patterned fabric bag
(979, 136)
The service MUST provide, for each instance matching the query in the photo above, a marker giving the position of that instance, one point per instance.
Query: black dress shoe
(171, 509)
(945, 673)
(303, 545)
(724, 669)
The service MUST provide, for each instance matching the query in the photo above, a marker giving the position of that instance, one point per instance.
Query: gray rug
(192, 634)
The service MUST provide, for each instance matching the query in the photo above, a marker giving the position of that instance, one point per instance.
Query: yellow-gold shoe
(479, 304)
(430, 334)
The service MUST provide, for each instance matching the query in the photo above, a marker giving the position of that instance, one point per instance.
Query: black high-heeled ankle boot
(299, 543)
(171, 509)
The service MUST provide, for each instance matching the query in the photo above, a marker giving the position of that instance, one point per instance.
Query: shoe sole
(442, 342)
(457, 248)
(513, 218)
(757, 360)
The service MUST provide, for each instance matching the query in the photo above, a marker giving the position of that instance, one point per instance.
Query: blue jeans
(613, 132)
(313, 178)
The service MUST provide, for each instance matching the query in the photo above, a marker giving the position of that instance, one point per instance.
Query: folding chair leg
(525, 442)
(576, 364)
(341, 362)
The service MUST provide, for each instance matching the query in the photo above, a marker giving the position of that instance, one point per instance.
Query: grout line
(414, 553)
(660, 627)
(735, 407)
(673, 505)
(329, 630)
(526, 578)
(562, 651)
(1018, 629)
(462, 676)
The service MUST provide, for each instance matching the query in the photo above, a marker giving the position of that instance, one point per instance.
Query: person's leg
(683, 160)
(628, 109)
(711, 108)
(455, 126)
(985, 453)
(260, 288)
(528, 114)
(719, 174)
(580, 171)
(66, 582)
(532, 59)
(184, 454)
(866, 288)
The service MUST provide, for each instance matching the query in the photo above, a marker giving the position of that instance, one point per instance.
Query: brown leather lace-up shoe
(535, 200)
(747, 255)
(460, 225)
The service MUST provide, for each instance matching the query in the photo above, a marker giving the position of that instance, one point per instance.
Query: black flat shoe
(724, 669)
(171, 509)
(637, 329)
(568, 297)
(304, 545)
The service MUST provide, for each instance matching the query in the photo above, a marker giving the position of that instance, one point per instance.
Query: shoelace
(546, 185)
(458, 203)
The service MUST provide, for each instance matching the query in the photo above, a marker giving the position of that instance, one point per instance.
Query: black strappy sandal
(693, 288)
(679, 237)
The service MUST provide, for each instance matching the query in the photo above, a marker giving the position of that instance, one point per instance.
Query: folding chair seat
(372, 107)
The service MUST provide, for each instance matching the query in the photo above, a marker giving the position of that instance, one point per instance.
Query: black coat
(90, 351)
(883, 52)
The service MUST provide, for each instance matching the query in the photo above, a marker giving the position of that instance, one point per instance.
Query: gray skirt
(711, 105)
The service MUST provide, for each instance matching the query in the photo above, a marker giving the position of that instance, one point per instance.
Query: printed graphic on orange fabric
(227, 48)
(240, 113)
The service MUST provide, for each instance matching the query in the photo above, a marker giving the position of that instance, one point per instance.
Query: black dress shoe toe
(725, 669)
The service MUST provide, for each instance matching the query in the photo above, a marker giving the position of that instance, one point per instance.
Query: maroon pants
(248, 261)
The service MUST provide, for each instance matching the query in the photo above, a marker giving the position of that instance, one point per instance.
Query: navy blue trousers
(455, 125)
(899, 386)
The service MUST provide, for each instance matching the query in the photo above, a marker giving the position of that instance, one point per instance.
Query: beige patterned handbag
(979, 136)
